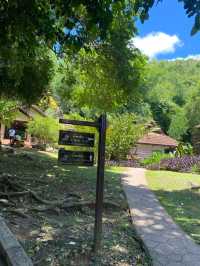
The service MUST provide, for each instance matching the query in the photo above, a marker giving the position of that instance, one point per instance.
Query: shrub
(46, 129)
(156, 158)
(183, 150)
(122, 134)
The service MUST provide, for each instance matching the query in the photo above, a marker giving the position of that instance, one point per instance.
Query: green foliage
(195, 169)
(29, 28)
(156, 158)
(193, 109)
(71, 23)
(122, 134)
(99, 80)
(26, 76)
(183, 150)
(162, 113)
(179, 124)
(172, 90)
(46, 129)
(7, 111)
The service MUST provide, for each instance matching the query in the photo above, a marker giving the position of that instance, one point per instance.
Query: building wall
(143, 151)
(20, 116)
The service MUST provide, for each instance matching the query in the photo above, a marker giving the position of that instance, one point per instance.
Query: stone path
(167, 243)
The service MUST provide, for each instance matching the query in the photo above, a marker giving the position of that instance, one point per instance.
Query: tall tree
(179, 125)
(170, 88)
(103, 76)
(64, 25)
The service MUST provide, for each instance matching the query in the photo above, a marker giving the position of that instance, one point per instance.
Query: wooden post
(100, 184)
(101, 125)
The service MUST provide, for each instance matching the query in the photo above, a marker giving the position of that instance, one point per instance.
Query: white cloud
(156, 43)
(192, 56)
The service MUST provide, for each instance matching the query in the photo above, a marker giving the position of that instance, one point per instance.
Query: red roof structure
(158, 139)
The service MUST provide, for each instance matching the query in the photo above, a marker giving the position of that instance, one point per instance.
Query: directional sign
(76, 138)
(85, 158)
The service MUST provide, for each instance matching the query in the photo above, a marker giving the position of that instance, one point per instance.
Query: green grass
(66, 237)
(174, 192)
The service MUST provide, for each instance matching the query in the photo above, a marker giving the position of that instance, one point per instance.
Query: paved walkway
(167, 243)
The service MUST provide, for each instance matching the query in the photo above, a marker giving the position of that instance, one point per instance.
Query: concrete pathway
(167, 243)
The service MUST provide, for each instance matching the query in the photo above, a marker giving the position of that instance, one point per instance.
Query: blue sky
(166, 35)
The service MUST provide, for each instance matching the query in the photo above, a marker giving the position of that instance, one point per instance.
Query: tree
(122, 134)
(45, 129)
(105, 76)
(193, 110)
(179, 125)
(98, 82)
(62, 25)
(24, 76)
(7, 111)
(192, 8)
(171, 89)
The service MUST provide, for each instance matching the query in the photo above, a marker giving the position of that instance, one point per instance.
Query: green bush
(122, 133)
(156, 158)
(183, 150)
(7, 111)
(195, 169)
(46, 129)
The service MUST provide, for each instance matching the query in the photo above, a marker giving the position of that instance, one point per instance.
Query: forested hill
(172, 89)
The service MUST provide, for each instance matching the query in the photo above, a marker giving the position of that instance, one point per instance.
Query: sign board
(87, 158)
(73, 138)
(84, 158)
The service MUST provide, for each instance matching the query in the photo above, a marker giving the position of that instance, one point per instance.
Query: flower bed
(178, 164)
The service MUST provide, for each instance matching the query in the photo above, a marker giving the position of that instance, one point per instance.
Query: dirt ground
(50, 208)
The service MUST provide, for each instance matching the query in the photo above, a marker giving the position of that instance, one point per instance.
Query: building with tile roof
(154, 142)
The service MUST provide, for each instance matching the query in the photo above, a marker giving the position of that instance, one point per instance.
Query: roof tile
(158, 139)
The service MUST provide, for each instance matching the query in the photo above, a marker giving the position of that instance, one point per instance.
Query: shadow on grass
(66, 237)
(183, 207)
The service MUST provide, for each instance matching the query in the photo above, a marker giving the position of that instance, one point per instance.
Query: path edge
(11, 249)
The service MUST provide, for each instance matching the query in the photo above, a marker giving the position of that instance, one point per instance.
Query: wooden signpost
(76, 157)
(72, 138)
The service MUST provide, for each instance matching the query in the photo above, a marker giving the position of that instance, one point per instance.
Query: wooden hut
(154, 142)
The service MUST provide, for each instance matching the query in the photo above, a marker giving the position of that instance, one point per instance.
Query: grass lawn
(58, 236)
(175, 194)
